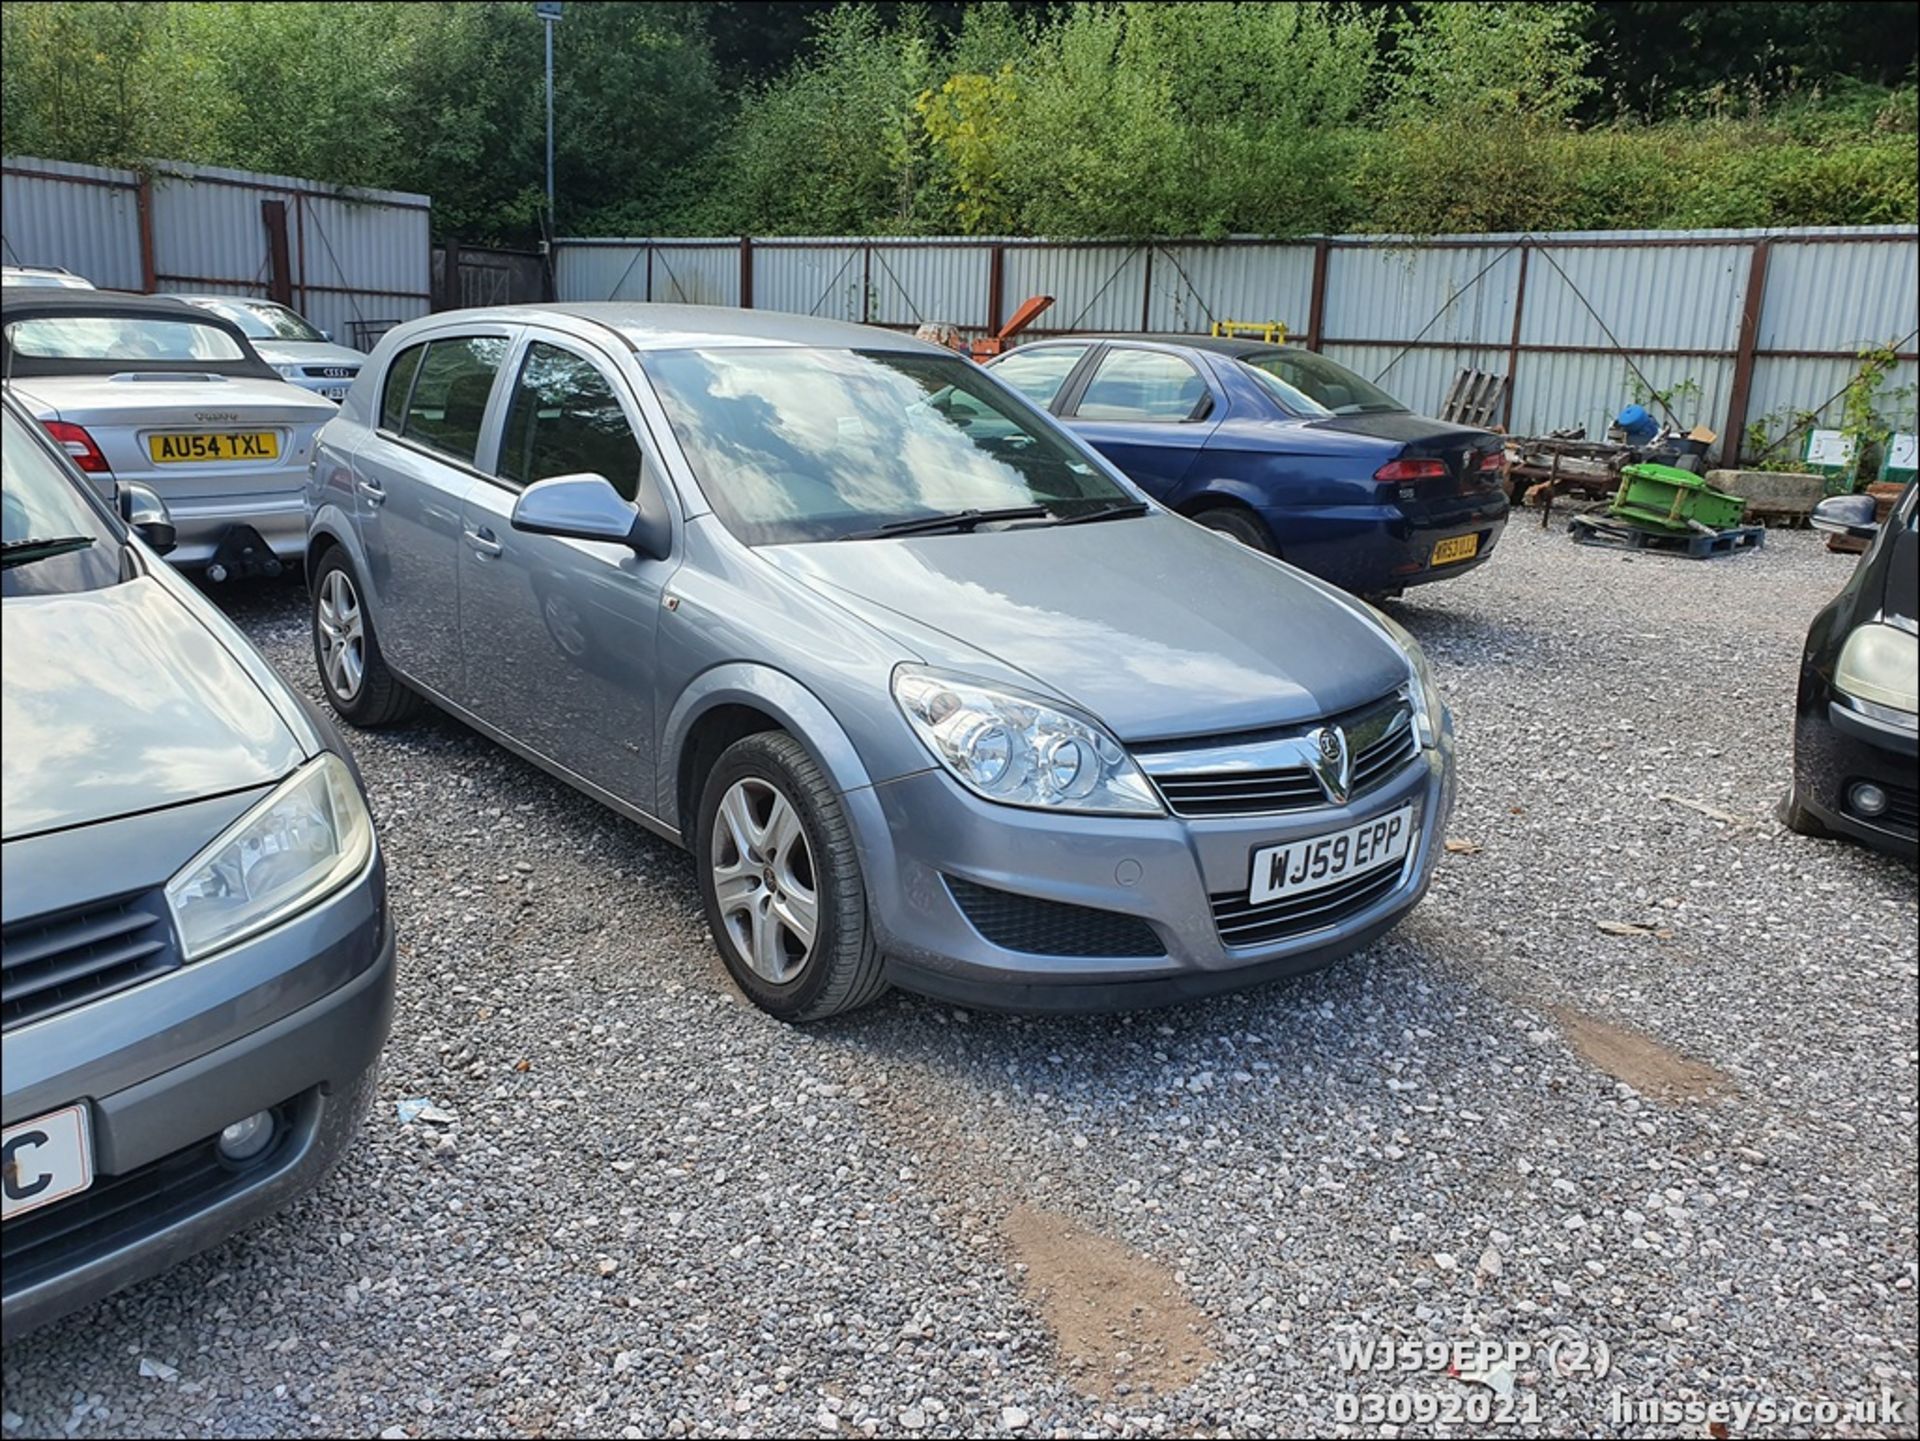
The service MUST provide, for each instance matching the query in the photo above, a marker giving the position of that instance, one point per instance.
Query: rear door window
(566, 420)
(449, 399)
(1142, 385)
(1038, 374)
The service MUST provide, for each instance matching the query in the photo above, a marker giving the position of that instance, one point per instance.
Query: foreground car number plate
(47, 1160)
(226, 445)
(1459, 547)
(1319, 861)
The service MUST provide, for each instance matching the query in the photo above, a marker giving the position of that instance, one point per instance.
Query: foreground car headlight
(1429, 711)
(1018, 749)
(307, 839)
(1880, 664)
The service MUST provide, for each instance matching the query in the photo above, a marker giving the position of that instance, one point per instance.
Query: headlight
(310, 837)
(1429, 712)
(1020, 750)
(1880, 664)
(290, 371)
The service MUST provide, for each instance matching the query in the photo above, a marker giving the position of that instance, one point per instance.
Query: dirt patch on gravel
(1118, 1316)
(1650, 1068)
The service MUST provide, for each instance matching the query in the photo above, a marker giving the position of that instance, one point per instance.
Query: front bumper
(164, 1066)
(920, 831)
(1834, 747)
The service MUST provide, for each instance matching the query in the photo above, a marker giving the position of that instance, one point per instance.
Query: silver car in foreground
(148, 389)
(932, 693)
(303, 354)
(196, 966)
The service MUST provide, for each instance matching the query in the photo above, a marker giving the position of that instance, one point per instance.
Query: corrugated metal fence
(352, 261)
(1743, 326)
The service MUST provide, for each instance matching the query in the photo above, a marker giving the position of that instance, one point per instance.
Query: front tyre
(352, 671)
(781, 880)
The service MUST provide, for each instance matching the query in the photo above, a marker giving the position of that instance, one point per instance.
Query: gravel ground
(656, 1211)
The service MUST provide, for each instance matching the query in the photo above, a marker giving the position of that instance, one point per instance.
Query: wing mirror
(327, 335)
(146, 515)
(1854, 515)
(587, 507)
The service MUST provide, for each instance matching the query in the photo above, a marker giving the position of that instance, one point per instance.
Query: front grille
(1052, 928)
(118, 1210)
(1244, 924)
(1237, 775)
(332, 372)
(1903, 807)
(49, 963)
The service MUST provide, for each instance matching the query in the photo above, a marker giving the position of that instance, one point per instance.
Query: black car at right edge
(1856, 735)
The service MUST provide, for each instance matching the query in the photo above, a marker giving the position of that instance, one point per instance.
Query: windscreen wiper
(958, 520)
(26, 552)
(1119, 510)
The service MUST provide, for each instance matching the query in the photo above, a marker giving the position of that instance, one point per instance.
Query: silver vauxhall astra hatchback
(932, 693)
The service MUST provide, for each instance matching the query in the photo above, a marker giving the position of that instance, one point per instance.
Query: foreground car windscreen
(120, 338)
(263, 320)
(1327, 387)
(805, 445)
(51, 540)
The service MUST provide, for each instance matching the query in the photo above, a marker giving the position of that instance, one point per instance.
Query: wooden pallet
(1473, 398)
(1616, 534)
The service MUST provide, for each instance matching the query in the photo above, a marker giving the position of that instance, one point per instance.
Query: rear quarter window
(393, 395)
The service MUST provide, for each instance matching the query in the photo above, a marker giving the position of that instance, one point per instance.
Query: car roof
(652, 326)
(52, 300)
(1218, 344)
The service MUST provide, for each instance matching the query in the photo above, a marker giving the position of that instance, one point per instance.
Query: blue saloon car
(1279, 448)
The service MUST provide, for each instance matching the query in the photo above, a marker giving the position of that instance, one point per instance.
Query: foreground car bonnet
(1157, 627)
(119, 700)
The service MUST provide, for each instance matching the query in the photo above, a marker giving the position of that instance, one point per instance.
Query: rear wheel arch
(1232, 516)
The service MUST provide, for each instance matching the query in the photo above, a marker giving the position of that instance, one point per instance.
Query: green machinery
(1670, 499)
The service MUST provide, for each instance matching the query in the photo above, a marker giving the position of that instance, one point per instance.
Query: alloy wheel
(343, 636)
(764, 880)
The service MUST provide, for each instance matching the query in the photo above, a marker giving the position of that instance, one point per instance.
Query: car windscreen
(815, 444)
(263, 320)
(52, 541)
(1330, 386)
(126, 339)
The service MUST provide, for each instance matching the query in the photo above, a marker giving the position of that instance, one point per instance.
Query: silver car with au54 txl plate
(932, 693)
(149, 389)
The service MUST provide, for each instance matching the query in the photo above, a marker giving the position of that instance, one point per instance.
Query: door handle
(373, 491)
(483, 542)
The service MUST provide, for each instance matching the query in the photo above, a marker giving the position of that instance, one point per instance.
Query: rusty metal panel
(1555, 391)
(1195, 285)
(1095, 287)
(1840, 297)
(944, 284)
(1464, 294)
(809, 280)
(600, 270)
(56, 215)
(703, 273)
(1783, 388)
(1672, 298)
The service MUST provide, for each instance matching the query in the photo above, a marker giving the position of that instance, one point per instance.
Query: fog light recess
(246, 1139)
(1866, 799)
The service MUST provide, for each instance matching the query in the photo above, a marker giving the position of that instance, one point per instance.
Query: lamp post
(549, 13)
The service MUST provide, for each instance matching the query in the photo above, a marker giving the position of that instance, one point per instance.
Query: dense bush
(1063, 119)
